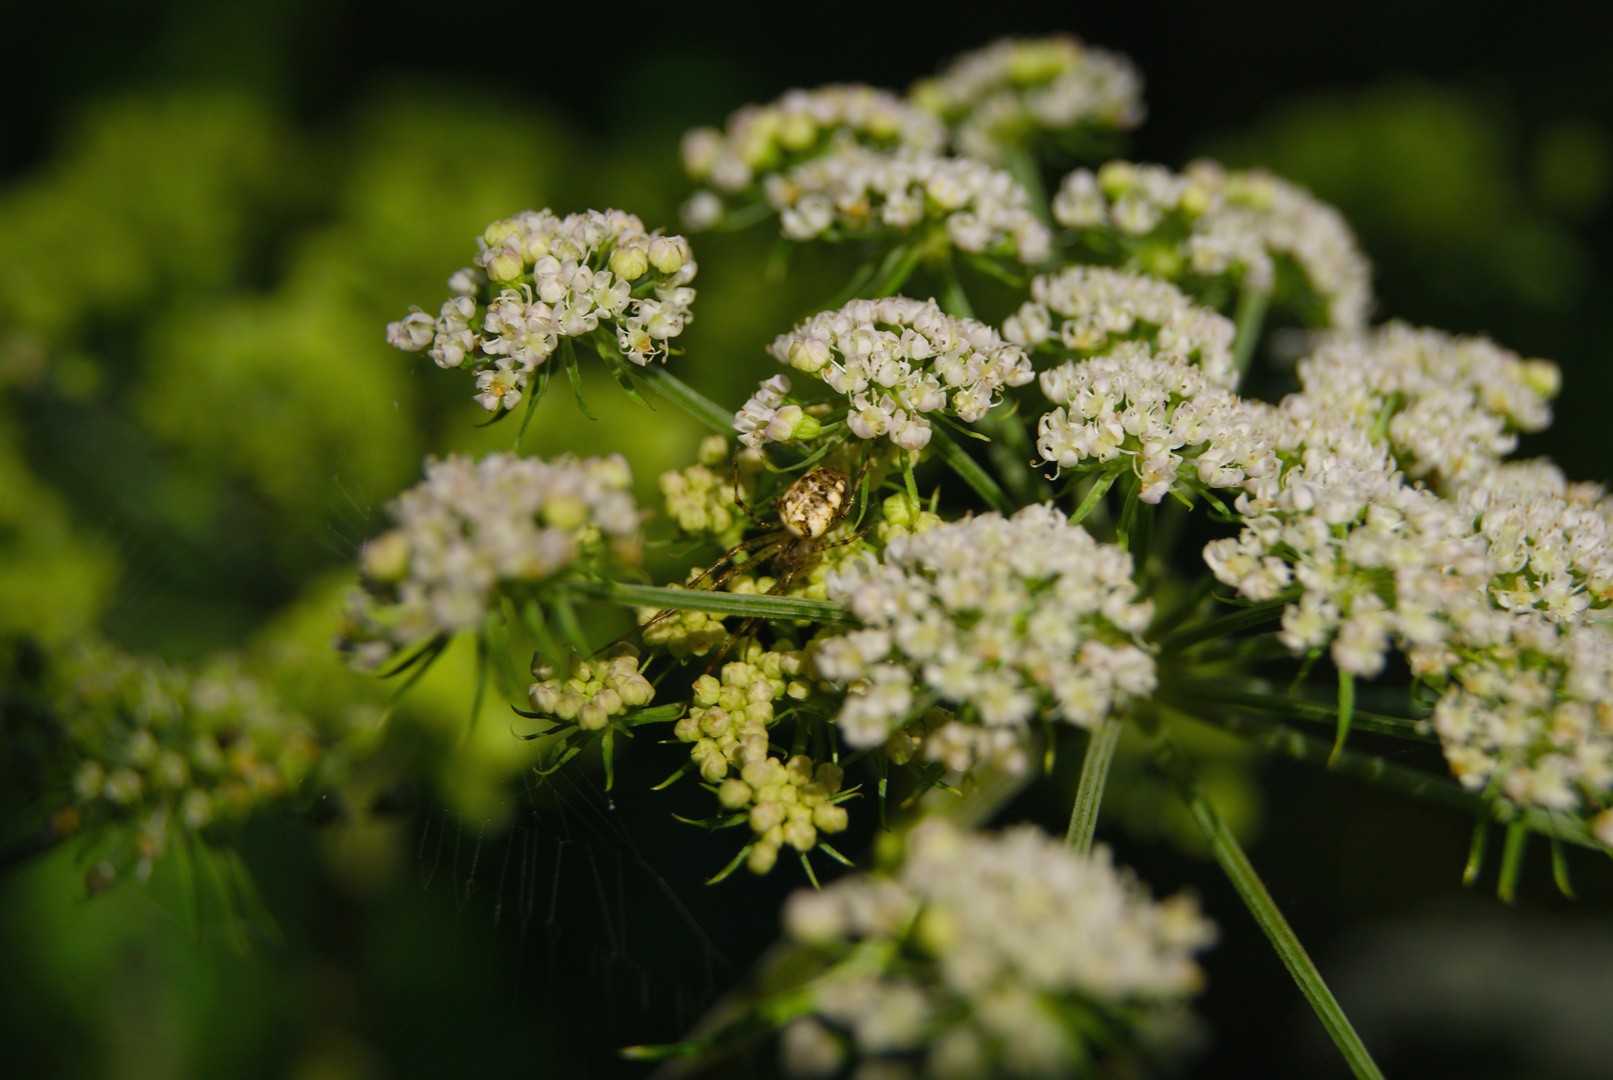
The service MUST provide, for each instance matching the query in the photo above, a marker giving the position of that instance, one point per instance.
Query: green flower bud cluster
(164, 752)
(593, 691)
(900, 517)
(788, 802)
(701, 498)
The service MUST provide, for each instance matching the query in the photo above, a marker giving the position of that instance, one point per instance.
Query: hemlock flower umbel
(991, 945)
(895, 361)
(1018, 91)
(472, 529)
(541, 281)
(855, 193)
(760, 140)
(1004, 618)
(1209, 223)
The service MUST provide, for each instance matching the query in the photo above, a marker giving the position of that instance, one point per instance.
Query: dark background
(540, 950)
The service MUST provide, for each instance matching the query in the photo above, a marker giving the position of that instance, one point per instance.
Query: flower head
(471, 528)
(895, 361)
(1003, 617)
(1208, 222)
(1017, 90)
(1011, 929)
(540, 279)
(854, 193)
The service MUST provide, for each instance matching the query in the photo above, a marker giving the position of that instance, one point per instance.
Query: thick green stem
(689, 399)
(1179, 770)
(1089, 794)
(1250, 314)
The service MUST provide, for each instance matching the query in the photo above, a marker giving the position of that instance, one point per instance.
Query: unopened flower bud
(668, 253)
(385, 559)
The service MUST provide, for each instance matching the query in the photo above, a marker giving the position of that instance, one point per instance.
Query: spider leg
(749, 625)
(739, 499)
(660, 617)
(755, 543)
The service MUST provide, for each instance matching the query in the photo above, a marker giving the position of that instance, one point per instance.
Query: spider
(810, 509)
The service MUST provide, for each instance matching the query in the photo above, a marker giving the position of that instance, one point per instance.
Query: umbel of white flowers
(1007, 931)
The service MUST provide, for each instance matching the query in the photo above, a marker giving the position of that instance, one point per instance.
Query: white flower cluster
(593, 691)
(854, 191)
(471, 527)
(762, 139)
(1211, 222)
(1533, 713)
(556, 278)
(1011, 930)
(896, 360)
(787, 803)
(1158, 411)
(1452, 405)
(1086, 308)
(1013, 89)
(1003, 617)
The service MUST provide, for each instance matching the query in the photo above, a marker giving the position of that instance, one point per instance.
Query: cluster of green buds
(593, 691)
(701, 498)
(785, 802)
(164, 752)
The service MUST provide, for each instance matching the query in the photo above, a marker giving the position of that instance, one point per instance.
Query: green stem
(1512, 861)
(1179, 770)
(1223, 626)
(969, 471)
(1011, 453)
(1021, 165)
(897, 269)
(1089, 794)
(722, 603)
(1249, 694)
(689, 399)
(1374, 770)
(1250, 314)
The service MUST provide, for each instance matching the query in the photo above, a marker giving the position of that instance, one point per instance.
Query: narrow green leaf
(1346, 708)
(1089, 793)
(732, 866)
(1250, 314)
(1224, 625)
(1475, 850)
(1099, 489)
(607, 747)
(1512, 852)
(568, 353)
(674, 778)
(806, 864)
(532, 399)
(970, 472)
(835, 855)
(1559, 869)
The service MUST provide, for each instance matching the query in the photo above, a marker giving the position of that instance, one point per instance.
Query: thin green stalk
(722, 603)
(1229, 853)
(897, 269)
(969, 471)
(1010, 452)
(1250, 314)
(1374, 770)
(1248, 694)
(1021, 165)
(688, 399)
(1089, 794)
(1223, 626)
